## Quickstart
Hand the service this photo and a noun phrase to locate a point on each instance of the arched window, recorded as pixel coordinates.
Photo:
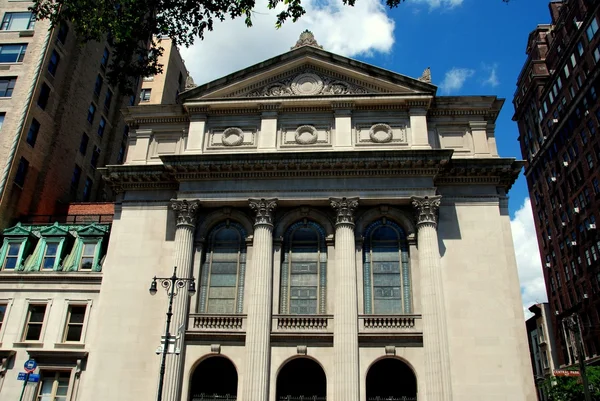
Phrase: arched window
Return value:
(223, 270)
(386, 269)
(303, 270)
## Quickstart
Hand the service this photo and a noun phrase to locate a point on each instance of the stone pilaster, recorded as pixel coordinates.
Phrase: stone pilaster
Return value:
(345, 323)
(435, 332)
(185, 212)
(258, 328)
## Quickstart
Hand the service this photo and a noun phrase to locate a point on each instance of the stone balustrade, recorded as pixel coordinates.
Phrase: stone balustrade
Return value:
(214, 322)
(302, 323)
(396, 323)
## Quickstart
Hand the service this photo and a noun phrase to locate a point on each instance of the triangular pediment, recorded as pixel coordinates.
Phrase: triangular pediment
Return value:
(55, 230)
(93, 230)
(308, 71)
(17, 231)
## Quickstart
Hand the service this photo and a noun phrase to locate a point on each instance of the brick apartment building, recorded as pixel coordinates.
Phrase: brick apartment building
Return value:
(558, 114)
(60, 120)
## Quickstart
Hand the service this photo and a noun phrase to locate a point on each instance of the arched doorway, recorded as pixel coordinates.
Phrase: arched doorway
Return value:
(301, 379)
(390, 379)
(215, 379)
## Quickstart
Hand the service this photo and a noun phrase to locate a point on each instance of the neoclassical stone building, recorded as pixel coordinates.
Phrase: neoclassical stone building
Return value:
(348, 231)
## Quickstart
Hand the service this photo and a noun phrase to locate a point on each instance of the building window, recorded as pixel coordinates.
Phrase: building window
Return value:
(54, 386)
(2, 115)
(304, 270)
(590, 161)
(50, 258)
(98, 85)
(21, 172)
(566, 70)
(105, 57)
(88, 256)
(76, 177)
(592, 29)
(32, 134)
(34, 322)
(22, 21)
(132, 100)
(223, 271)
(145, 95)
(7, 85)
(44, 96)
(108, 100)
(580, 48)
(74, 325)
(101, 126)
(95, 157)
(3, 308)
(53, 64)
(13, 255)
(12, 53)
(387, 287)
(91, 113)
(63, 31)
(84, 143)
(87, 189)
(121, 155)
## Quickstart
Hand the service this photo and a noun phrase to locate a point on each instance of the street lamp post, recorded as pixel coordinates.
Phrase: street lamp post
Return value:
(573, 325)
(172, 285)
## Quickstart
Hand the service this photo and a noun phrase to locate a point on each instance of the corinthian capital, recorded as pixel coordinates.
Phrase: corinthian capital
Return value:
(264, 209)
(345, 208)
(185, 211)
(426, 209)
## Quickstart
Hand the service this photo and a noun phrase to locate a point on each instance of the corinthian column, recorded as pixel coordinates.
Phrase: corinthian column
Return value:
(258, 328)
(345, 322)
(435, 332)
(185, 212)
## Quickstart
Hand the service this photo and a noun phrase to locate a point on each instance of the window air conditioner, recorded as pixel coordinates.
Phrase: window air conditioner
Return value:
(556, 313)
(566, 164)
(549, 237)
(573, 243)
(555, 121)
(548, 264)
(553, 179)
(576, 210)
(585, 296)
(562, 223)
(591, 226)
(587, 113)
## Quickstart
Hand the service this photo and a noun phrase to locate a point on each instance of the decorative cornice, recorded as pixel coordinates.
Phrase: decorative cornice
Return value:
(426, 209)
(345, 208)
(186, 211)
(264, 209)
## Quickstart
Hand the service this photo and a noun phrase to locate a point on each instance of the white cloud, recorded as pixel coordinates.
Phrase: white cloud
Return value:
(440, 3)
(492, 79)
(533, 288)
(455, 79)
(349, 31)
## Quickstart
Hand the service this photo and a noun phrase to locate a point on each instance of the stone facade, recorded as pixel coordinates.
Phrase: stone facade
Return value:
(347, 230)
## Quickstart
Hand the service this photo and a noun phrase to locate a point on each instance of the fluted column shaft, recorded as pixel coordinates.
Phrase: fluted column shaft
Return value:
(184, 247)
(435, 332)
(345, 322)
(258, 328)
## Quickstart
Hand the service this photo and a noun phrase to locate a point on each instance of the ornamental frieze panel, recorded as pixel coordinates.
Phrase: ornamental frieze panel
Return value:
(232, 137)
(309, 82)
(305, 135)
(381, 133)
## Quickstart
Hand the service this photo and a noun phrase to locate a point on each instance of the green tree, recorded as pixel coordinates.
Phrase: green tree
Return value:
(131, 25)
(571, 389)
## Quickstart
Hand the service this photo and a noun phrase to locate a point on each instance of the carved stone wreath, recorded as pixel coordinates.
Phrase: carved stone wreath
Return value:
(381, 133)
(306, 135)
(307, 84)
(232, 136)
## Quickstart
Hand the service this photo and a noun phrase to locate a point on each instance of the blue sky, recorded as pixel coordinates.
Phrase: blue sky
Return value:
(474, 47)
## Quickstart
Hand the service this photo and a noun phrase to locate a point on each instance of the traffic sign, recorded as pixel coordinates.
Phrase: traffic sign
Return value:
(30, 365)
(22, 376)
(33, 378)
(567, 373)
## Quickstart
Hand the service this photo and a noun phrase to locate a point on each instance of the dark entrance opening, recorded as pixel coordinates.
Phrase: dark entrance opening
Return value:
(391, 380)
(301, 379)
(215, 379)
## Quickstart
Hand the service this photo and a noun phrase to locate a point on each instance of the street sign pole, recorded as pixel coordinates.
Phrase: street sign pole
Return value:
(24, 384)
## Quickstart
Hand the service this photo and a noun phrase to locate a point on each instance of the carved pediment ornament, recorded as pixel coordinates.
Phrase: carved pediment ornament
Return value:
(308, 83)
(232, 136)
(186, 211)
(426, 209)
(345, 208)
(306, 135)
(381, 133)
(264, 209)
